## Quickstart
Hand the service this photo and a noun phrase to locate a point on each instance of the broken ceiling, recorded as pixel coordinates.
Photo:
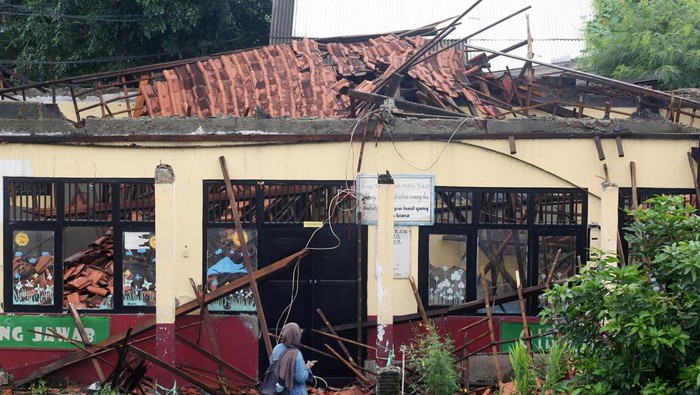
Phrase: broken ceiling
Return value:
(401, 74)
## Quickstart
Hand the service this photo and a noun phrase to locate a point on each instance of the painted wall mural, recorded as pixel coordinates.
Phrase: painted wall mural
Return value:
(225, 264)
(32, 268)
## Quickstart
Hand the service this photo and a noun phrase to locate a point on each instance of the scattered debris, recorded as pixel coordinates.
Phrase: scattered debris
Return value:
(89, 275)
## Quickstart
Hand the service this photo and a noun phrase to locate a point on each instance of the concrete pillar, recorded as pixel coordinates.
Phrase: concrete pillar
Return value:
(609, 202)
(166, 271)
(385, 271)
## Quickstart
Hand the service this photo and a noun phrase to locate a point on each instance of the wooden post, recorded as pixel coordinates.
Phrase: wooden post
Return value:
(511, 144)
(102, 99)
(526, 328)
(331, 330)
(206, 323)
(246, 255)
(494, 347)
(465, 364)
(620, 149)
(419, 303)
(126, 97)
(599, 147)
(581, 104)
(633, 175)
(84, 337)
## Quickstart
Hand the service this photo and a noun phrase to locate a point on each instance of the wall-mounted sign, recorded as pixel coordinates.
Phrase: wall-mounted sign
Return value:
(413, 198)
(34, 331)
(402, 251)
(514, 330)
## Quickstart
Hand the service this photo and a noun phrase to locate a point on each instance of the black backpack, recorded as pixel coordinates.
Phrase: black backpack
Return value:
(272, 379)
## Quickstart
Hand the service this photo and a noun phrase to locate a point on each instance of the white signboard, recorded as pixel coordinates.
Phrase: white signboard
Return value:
(413, 198)
(402, 251)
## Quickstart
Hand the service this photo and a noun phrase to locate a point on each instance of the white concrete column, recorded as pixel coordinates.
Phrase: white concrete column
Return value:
(385, 268)
(609, 203)
(166, 269)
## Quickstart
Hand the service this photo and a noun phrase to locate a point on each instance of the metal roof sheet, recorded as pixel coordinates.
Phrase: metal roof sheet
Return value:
(556, 25)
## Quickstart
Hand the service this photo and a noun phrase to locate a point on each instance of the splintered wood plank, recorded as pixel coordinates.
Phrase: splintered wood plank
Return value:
(84, 338)
(180, 311)
(246, 257)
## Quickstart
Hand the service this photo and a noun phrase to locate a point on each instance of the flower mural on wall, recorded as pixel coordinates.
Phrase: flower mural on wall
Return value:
(32, 268)
(447, 286)
(139, 265)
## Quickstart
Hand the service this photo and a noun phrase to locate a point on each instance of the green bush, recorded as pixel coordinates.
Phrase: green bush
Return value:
(431, 355)
(547, 377)
(635, 329)
(524, 373)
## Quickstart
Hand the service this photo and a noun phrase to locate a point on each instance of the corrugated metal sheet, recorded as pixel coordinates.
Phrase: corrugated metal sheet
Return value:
(556, 25)
(281, 21)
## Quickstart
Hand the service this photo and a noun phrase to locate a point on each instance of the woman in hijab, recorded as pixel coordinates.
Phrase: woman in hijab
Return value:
(293, 370)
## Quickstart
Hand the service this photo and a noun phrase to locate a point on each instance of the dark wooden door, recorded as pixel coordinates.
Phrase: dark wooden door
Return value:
(325, 279)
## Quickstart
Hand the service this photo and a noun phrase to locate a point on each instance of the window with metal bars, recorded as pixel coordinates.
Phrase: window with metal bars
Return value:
(260, 204)
(280, 203)
(88, 242)
(500, 231)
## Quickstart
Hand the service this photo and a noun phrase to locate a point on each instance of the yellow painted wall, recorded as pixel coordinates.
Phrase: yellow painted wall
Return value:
(475, 163)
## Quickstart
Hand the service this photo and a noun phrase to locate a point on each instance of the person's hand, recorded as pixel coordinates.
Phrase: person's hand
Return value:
(310, 364)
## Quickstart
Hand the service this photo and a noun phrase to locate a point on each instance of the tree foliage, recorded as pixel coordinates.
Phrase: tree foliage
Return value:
(643, 38)
(636, 329)
(58, 38)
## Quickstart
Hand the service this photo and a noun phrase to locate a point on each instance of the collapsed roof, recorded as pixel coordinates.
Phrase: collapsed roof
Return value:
(388, 75)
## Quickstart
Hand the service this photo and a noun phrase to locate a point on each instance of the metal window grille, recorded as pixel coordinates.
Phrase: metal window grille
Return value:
(219, 208)
(31, 201)
(499, 208)
(87, 201)
(299, 203)
(281, 203)
(137, 202)
(558, 208)
(453, 207)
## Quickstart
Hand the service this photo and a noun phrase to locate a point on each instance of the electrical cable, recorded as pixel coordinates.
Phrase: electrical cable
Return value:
(126, 18)
(393, 143)
(109, 59)
(364, 117)
(332, 207)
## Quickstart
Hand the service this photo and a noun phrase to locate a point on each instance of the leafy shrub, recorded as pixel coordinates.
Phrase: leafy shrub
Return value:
(432, 357)
(38, 387)
(547, 378)
(524, 373)
(635, 329)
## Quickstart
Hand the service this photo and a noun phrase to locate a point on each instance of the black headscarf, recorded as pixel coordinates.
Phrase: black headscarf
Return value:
(291, 337)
